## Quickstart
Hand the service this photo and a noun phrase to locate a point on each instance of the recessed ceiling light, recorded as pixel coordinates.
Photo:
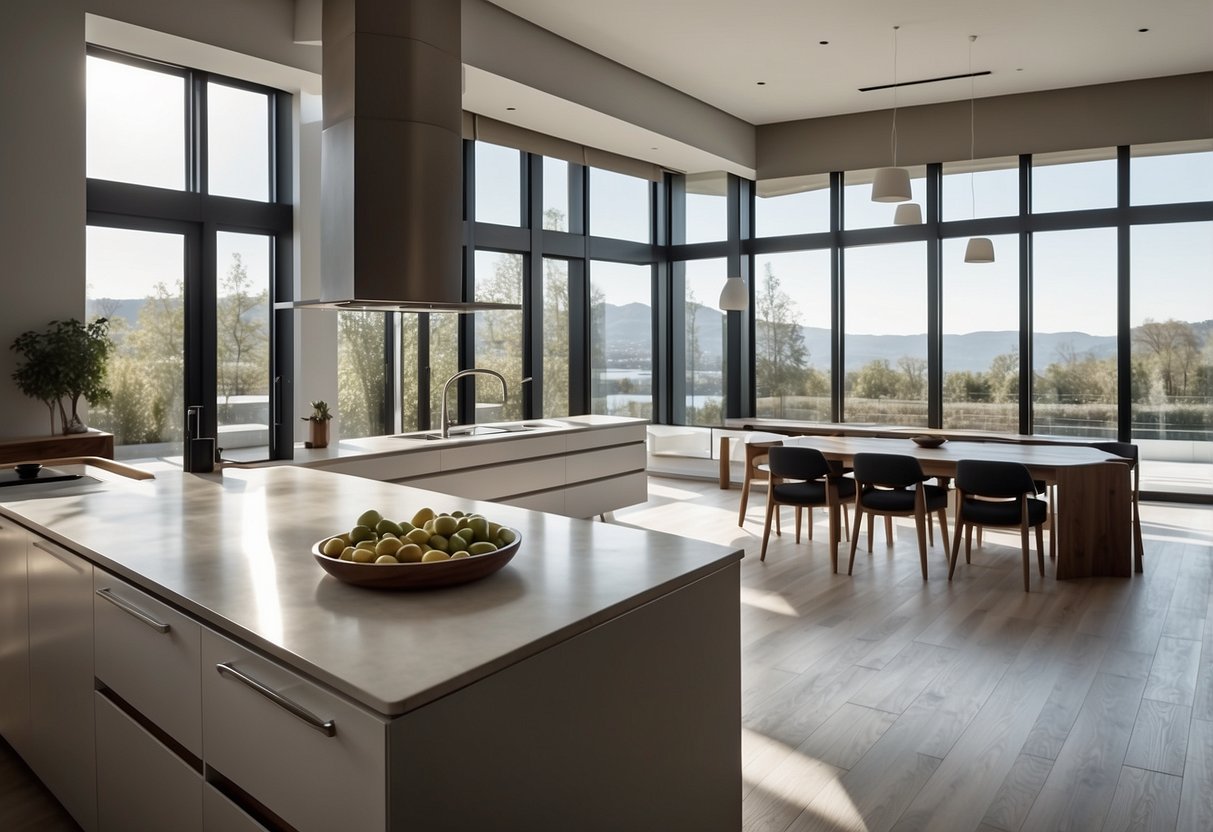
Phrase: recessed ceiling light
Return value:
(511, 108)
(762, 83)
(1143, 30)
(823, 42)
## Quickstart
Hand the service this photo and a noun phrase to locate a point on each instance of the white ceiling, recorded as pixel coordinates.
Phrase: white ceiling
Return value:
(717, 50)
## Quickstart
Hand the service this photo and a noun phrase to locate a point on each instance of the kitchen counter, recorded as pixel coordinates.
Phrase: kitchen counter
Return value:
(233, 548)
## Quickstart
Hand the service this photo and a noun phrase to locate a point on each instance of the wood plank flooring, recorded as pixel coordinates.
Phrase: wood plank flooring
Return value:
(882, 702)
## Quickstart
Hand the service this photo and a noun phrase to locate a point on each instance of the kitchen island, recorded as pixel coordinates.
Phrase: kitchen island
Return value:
(593, 683)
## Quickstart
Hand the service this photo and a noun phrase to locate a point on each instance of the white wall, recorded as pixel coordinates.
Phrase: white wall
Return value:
(41, 184)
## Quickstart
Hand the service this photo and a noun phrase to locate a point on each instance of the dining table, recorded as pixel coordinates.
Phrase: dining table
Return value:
(1092, 520)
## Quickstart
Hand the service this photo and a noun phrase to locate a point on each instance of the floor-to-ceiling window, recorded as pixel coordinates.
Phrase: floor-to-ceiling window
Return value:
(792, 335)
(187, 214)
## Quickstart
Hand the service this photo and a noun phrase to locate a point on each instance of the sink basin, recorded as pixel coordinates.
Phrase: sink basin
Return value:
(462, 431)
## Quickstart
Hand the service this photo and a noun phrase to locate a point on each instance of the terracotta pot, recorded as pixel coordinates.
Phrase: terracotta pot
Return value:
(320, 432)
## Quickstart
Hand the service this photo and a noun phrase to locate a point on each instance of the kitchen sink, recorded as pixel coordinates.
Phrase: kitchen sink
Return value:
(462, 431)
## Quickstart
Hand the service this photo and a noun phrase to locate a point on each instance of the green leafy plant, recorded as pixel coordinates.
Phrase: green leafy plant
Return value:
(66, 361)
(320, 412)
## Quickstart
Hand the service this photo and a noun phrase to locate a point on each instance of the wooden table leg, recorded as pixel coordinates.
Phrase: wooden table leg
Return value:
(1094, 533)
(724, 462)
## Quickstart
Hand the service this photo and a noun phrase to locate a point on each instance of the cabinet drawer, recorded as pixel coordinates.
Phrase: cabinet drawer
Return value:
(606, 462)
(222, 815)
(142, 786)
(149, 654)
(260, 730)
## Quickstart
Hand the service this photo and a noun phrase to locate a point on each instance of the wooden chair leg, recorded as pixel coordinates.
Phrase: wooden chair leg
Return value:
(745, 499)
(809, 510)
(969, 542)
(766, 526)
(846, 522)
(797, 512)
(888, 530)
(1040, 548)
(979, 529)
(943, 531)
(930, 530)
(1023, 544)
(955, 546)
(920, 526)
(855, 537)
(871, 522)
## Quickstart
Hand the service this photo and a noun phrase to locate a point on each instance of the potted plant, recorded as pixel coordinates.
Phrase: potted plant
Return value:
(319, 424)
(66, 361)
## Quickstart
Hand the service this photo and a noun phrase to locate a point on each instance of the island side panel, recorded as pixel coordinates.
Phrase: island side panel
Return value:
(635, 724)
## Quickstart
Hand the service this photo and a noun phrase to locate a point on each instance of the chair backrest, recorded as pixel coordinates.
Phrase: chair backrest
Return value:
(1125, 450)
(889, 470)
(986, 478)
(755, 452)
(796, 463)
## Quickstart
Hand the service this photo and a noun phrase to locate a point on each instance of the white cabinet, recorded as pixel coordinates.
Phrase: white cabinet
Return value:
(14, 636)
(309, 756)
(142, 786)
(62, 749)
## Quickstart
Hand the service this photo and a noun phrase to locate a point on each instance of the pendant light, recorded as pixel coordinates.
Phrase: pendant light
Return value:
(734, 297)
(979, 249)
(908, 213)
(892, 184)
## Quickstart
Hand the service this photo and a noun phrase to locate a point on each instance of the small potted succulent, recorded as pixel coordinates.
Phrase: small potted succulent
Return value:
(319, 424)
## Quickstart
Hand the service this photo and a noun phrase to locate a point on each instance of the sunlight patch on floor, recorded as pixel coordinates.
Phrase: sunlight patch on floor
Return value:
(800, 780)
(669, 492)
(769, 601)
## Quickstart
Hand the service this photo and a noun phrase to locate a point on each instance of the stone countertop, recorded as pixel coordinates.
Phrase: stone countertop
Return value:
(373, 446)
(233, 549)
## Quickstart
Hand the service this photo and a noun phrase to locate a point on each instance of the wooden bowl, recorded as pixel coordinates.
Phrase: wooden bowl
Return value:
(416, 575)
(928, 441)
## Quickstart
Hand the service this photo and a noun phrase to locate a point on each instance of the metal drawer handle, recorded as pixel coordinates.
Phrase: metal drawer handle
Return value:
(129, 608)
(325, 726)
(63, 557)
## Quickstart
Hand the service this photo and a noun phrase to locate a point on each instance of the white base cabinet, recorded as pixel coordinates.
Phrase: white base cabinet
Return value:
(61, 749)
(14, 636)
(142, 786)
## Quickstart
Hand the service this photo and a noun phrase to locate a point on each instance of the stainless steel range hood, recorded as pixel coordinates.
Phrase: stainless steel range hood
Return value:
(391, 159)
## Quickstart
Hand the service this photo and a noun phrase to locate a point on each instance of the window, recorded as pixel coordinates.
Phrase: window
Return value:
(238, 137)
(361, 374)
(859, 211)
(1172, 344)
(556, 337)
(620, 206)
(136, 279)
(984, 188)
(147, 253)
(707, 207)
(703, 341)
(556, 195)
(792, 335)
(1074, 181)
(1074, 333)
(443, 363)
(799, 206)
(1172, 172)
(499, 344)
(136, 123)
(498, 184)
(886, 334)
(981, 338)
(621, 339)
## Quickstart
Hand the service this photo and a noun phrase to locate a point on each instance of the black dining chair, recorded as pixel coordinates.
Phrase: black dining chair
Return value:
(893, 485)
(998, 494)
(1127, 450)
(817, 482)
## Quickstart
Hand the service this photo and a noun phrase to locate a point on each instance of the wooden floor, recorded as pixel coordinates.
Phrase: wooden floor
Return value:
(883, 702)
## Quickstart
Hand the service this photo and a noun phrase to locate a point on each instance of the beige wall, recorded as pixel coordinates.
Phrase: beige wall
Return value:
(1133, 112)
(41, 184)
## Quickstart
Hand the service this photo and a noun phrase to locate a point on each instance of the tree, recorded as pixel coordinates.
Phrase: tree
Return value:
(242, 329)
(781, 358)
(360, 373)
(1173, 350)
(875, 380)
(912, 384)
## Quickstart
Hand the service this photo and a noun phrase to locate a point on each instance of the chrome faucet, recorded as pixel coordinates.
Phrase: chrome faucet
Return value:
(446, 422)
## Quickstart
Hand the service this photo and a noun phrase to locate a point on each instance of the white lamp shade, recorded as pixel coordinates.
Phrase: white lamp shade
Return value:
(891, 185)
(734, 297)
(979, 250)
(908, 213)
